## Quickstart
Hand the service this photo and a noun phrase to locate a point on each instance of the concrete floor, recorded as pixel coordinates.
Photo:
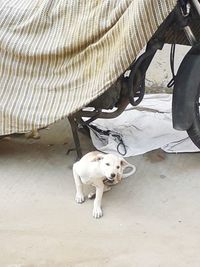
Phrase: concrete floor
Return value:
(150, 219)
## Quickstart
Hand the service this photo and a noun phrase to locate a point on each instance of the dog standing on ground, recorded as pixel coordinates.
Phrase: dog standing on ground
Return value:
(93, 169)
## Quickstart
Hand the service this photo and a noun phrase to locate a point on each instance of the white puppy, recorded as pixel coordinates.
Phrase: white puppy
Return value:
(93, 169)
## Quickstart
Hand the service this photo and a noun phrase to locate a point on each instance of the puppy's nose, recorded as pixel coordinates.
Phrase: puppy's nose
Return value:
(112, 175)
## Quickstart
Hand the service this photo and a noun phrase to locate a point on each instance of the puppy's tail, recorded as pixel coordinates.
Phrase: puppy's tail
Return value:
(126, 175)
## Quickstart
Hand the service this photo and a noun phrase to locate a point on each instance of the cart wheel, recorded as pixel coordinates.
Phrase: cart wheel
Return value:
(194, 131)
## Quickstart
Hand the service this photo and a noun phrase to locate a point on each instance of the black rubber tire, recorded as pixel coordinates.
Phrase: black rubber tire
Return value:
(194, 131)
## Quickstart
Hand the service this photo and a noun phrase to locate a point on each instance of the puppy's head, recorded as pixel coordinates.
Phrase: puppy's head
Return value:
(112, 166)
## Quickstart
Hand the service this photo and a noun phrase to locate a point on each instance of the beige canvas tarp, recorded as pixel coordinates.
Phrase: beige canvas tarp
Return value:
(56, 56)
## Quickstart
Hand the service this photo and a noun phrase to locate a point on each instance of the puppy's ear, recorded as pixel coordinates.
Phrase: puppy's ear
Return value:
(98, 157)
(124, 163)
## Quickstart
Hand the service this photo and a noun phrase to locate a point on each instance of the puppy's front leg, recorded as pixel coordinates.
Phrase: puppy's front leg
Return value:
(97, 211)
(79, 187)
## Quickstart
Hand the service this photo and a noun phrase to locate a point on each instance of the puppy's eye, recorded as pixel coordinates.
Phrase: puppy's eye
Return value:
(118, 167)
(108, 164)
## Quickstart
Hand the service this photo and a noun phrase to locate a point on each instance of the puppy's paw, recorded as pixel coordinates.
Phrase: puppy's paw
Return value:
(79, 198)
(91, 195)
(97, 213)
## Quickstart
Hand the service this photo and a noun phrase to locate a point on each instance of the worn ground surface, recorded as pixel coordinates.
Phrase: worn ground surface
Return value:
(150, 220)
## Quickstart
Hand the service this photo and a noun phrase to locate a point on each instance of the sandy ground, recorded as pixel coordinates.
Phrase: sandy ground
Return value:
(150, 220)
